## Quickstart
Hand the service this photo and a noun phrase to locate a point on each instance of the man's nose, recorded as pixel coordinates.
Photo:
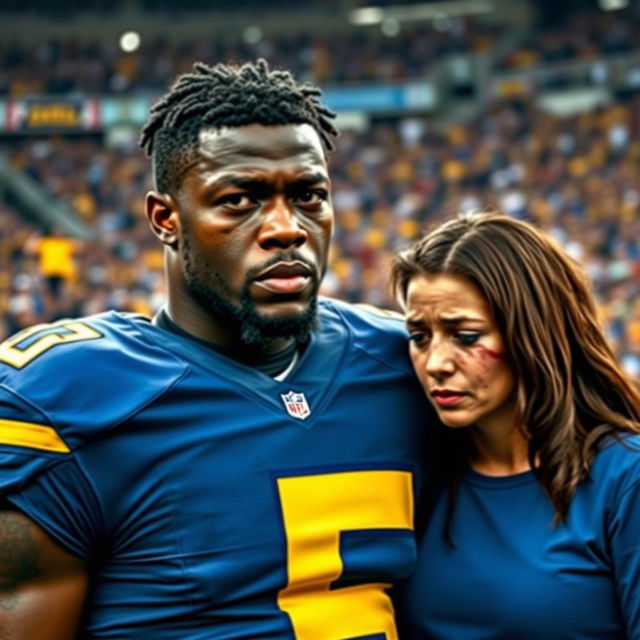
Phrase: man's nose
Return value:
(281, 225)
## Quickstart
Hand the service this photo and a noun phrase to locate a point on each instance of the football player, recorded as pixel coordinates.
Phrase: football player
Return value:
(244, 465)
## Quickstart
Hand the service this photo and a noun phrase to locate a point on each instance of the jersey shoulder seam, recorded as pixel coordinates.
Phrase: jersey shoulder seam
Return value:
(336, 307)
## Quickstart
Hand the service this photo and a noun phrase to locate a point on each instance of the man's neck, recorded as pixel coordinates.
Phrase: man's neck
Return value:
(272, 362)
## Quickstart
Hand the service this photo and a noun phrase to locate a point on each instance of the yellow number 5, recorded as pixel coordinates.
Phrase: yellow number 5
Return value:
(316, 509)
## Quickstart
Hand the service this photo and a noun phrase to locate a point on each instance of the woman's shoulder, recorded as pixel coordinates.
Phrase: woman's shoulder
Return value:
(623, 445)
(618, 460)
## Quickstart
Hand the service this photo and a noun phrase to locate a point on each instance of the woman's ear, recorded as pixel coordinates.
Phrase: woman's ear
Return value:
(163, 217)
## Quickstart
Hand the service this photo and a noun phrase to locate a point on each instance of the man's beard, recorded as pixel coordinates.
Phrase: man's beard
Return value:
(211, 291)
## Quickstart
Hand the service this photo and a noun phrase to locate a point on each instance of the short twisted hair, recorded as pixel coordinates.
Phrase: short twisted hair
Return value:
(226, 96)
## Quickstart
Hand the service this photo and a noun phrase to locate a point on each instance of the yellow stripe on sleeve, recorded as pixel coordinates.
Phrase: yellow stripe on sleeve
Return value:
(31, 435)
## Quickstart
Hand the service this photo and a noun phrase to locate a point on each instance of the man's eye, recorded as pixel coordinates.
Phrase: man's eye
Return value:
(467, 338)
(236, 200)
(310, 196)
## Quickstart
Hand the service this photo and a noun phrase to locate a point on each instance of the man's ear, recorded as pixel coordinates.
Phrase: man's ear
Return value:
(162, 213)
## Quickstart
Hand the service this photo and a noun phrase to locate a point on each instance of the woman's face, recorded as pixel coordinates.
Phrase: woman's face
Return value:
(458, 353)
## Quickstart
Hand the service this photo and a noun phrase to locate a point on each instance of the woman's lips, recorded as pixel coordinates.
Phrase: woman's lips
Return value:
(447, 398)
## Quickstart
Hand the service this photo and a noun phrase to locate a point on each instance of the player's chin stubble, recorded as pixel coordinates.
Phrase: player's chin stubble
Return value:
(211, 291)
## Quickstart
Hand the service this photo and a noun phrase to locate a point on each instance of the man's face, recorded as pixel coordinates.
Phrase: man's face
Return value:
(255, 221)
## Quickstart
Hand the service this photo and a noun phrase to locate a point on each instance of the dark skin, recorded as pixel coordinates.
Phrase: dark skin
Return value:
(256, 194)
(42, 586)
(256, 199)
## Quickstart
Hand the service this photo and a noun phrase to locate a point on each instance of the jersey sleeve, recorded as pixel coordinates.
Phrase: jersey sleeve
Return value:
(624, 538)
(64, 388)
(39, 475)
(29, 444)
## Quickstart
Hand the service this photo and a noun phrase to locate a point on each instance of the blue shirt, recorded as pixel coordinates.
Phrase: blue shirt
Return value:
(512, 575)
(211, 501)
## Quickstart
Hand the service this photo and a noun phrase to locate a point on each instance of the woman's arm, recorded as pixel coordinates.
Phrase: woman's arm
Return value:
(624, 538)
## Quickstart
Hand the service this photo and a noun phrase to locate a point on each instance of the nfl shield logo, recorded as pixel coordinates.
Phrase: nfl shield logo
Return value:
(296, 405)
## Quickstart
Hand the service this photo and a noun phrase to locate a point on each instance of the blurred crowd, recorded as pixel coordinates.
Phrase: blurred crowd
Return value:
(586, 37)
(399, 52)
(578, 177)
(63, 66)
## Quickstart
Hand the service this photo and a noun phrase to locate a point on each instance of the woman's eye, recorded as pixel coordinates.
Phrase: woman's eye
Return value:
(467, 338)
(418, 338)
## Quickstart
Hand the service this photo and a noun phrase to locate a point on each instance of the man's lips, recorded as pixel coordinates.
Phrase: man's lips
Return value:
(284, 277)
(447, 397)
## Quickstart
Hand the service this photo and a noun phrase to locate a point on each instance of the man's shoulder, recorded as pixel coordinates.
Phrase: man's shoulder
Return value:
(76, 345)
(379, 333)
(365, 317)
(95, 370)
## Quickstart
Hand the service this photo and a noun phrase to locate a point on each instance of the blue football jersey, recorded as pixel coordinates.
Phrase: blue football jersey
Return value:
(211, 501)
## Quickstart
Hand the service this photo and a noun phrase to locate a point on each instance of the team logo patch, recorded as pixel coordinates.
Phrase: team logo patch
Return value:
(296, 405)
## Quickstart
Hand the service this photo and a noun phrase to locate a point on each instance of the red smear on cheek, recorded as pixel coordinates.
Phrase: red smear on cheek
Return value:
(476, 362)
(472, 361)
(476, 352)
(485, 352)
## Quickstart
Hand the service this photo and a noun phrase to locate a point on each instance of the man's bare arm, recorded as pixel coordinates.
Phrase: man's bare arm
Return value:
(42, 586)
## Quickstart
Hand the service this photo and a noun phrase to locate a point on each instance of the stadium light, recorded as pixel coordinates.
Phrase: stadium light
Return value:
(130, 41)
(613, 5)
(367, 15)
(252, 34)
(410, 12)
(390, 27)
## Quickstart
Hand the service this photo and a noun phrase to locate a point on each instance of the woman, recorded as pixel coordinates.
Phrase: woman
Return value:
(536, 531)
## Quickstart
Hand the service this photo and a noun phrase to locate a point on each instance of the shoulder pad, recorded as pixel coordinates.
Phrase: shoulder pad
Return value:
(88, 374)
(366, 315)
(381, 333)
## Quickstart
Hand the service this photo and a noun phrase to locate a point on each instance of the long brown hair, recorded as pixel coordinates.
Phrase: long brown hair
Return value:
(571, 392)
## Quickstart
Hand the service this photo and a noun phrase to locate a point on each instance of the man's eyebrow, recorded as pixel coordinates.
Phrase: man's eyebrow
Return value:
(242, 182)
(308, 179)
(252, 183)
